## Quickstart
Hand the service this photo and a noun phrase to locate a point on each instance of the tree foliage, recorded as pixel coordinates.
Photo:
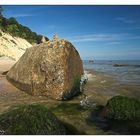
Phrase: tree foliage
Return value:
(15, 29)
(1, 10)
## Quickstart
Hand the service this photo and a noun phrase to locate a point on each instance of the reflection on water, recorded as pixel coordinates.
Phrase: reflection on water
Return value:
(125, 71)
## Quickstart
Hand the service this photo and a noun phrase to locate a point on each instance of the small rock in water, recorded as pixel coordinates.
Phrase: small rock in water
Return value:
(84, 79)
(103, 81)
(87, 103)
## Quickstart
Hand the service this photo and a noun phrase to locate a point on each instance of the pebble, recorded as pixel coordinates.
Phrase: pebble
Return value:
(103, 81)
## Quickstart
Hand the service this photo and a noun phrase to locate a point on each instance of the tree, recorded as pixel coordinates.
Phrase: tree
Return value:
(13, 29)
(12, 26)
(4, 23)
(1, 10)
(12, 20)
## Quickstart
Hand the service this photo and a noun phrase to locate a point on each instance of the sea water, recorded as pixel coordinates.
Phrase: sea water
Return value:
(126, 71)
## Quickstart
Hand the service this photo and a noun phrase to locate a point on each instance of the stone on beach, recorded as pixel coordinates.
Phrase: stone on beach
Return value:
(52, 69)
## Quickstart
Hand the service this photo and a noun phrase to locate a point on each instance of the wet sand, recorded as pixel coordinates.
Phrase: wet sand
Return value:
(5, 65)
(99, 88)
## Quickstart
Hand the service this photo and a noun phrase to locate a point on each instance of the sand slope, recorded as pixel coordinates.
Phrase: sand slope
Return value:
(12, 47)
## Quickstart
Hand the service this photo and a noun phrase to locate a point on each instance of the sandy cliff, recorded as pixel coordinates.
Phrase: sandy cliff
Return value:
(12, 47)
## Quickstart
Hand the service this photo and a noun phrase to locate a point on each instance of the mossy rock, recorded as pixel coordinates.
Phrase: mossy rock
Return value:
(123, 108)
(134, 127)
(31, 120)
(75, 89)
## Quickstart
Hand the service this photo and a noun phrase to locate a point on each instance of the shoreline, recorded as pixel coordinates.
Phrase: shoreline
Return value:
(98, 89)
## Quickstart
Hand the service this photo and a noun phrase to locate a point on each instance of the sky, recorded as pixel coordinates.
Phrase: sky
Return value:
(97, 32)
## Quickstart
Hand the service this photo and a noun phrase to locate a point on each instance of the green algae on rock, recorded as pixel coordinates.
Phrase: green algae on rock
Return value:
(31, 120)
(123, 108)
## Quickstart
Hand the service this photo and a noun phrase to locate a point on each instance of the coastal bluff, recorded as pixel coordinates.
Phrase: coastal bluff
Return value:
(12, 47)
(53, 69)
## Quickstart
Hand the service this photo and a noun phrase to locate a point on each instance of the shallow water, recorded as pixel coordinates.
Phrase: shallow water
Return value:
(127, 72)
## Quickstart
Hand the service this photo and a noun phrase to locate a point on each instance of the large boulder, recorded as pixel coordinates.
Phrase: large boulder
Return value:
(53, 69)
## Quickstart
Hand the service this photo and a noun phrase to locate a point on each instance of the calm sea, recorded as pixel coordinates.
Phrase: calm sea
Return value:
(125, 71)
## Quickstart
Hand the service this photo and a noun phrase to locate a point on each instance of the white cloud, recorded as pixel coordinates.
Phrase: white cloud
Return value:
(100, 37)
(110, 38)
(20, 15)
(125, 20)
(114, 43)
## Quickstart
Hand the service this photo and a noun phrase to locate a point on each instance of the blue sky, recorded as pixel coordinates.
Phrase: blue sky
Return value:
(97, 32)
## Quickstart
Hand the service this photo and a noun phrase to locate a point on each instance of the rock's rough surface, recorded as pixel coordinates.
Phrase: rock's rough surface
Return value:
(52, 69)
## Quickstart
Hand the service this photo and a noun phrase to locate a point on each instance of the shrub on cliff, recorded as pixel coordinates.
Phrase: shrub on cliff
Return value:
(12, 27)
(1, 10)
(31, 120)
(123, 108)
